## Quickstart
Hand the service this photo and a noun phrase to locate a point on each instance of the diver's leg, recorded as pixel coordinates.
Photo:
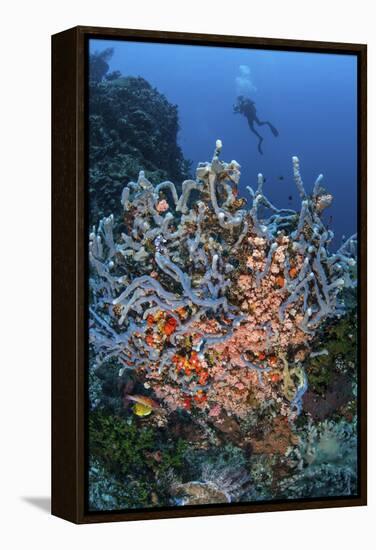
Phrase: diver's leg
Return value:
(272, 128)
(260, 138)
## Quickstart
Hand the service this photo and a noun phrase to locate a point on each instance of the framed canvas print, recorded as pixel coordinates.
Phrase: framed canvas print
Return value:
(209, 274)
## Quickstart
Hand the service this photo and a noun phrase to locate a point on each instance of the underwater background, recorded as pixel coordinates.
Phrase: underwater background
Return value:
(311, 98)
(222, 335)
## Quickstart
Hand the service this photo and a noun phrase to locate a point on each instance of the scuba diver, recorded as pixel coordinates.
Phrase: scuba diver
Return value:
(247, 108)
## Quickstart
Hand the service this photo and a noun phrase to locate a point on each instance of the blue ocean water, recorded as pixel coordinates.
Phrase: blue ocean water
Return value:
(311, 98)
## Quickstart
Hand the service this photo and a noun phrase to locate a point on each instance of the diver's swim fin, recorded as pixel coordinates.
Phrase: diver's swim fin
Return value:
(274, 131)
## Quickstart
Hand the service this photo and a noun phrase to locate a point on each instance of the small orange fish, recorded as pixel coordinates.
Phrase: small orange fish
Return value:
(280, 281)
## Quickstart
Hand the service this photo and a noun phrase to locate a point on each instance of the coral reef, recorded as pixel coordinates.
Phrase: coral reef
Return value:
(325, 461)
(132, 127)
(214, 487)
(207, 312)
(173, 299)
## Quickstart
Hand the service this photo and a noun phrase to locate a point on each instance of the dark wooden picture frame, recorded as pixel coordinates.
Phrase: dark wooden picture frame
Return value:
(69, 271)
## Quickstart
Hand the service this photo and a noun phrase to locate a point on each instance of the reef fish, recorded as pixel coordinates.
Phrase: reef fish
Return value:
(142, 410)
(144, 400)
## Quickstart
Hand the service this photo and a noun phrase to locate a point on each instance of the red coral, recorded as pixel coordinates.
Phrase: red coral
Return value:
(170, 326)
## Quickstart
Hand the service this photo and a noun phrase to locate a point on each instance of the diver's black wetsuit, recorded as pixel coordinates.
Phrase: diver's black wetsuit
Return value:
(247, 108)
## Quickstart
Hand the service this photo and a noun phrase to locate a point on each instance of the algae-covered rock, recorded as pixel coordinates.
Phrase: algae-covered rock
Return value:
(331, 367)
(197, 492)
(215, 486)
(132, 127)
(325, 461)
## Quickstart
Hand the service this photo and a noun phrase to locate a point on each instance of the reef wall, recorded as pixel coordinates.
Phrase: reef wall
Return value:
(132, 127)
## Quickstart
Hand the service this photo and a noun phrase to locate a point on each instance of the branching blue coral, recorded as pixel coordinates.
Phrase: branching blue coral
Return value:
(179, 260)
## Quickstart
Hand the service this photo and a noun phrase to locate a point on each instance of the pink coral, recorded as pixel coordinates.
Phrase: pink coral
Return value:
(162, 206)
(215, 411)
(232, 386)
(263, 329)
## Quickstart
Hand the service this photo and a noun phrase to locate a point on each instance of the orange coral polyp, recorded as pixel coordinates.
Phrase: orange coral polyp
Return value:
(187, 370)
(200, 397)
(170, 326)
(149, 339)
(181, 312)
(203, 377)
(187, 403)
